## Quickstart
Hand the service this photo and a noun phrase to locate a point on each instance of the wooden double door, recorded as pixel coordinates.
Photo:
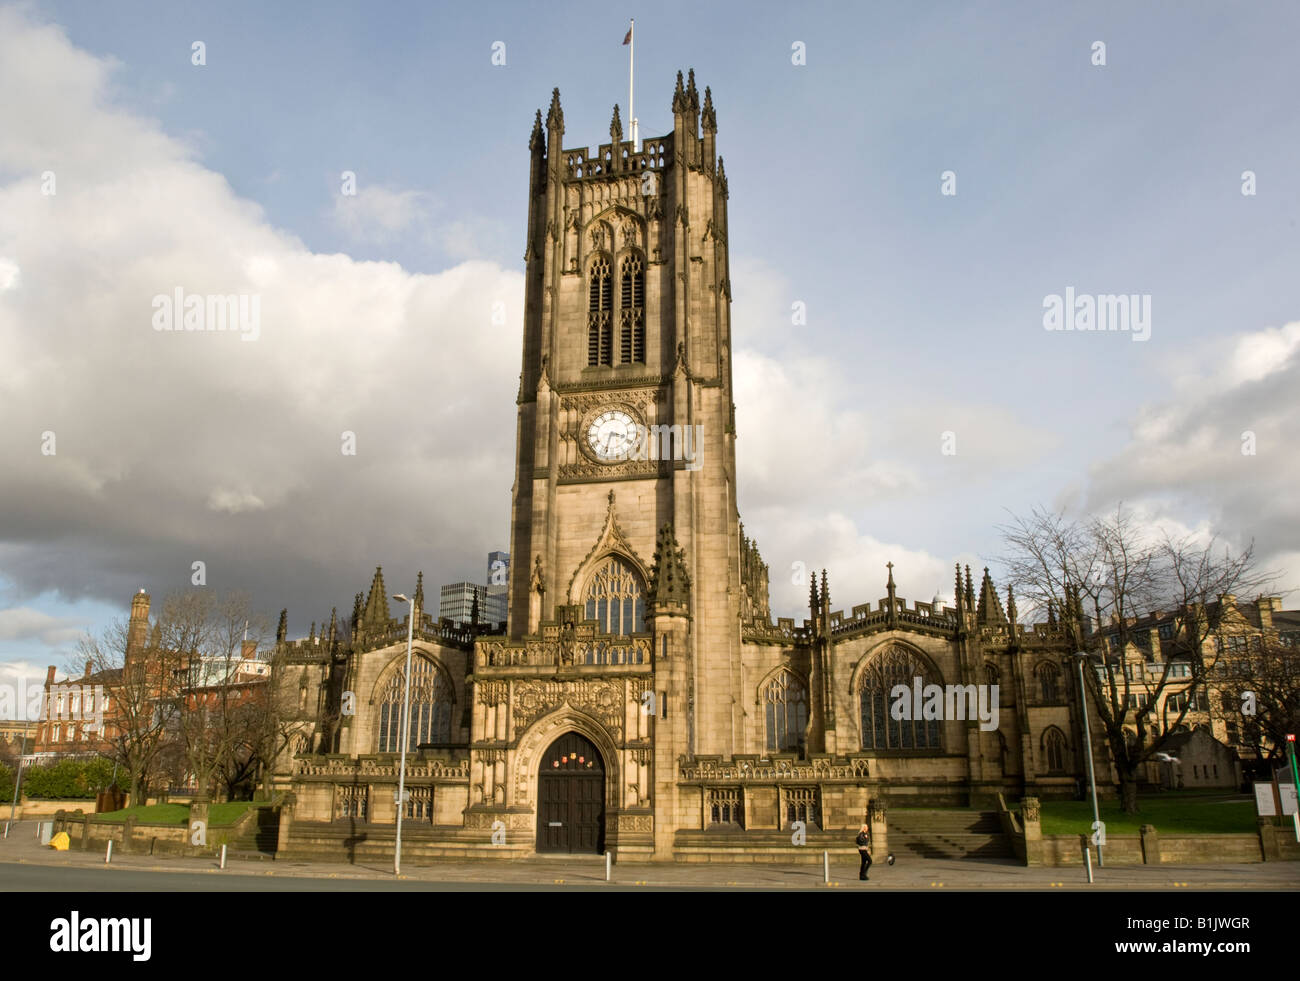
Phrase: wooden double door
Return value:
(571, 797)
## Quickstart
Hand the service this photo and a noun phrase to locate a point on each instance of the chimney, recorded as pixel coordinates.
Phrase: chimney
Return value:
(1264, 610)
(87, 674)
(249, 650)
(49, 676)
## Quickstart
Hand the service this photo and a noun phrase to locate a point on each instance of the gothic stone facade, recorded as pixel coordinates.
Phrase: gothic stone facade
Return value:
(641, 697)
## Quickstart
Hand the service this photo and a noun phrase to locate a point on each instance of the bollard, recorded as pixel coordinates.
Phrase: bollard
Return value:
(108, 852)
(607, 865)
(1087, 859)
(1295, 817)
(6, 829)
(826, 866)
(223, 856)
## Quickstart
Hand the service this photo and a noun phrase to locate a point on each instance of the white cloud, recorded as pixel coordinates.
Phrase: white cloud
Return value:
(21, 686)
(376, 212)
(25, 623)
(166, 438)
(817, 442)
(1184, 464)
(234, 502)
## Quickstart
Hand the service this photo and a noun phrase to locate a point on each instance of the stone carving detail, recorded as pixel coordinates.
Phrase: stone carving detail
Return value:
(631, 233)
(853, 768)
(1029, 809)
(600, 699)
(875, 810)
(567, 643)
(483, 820)
(623, 468)
(636, 822)
(491, 692)
(641, 399)
(352, 769)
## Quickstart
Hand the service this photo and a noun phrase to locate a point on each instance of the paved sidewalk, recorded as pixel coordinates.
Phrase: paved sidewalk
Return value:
(908, 874)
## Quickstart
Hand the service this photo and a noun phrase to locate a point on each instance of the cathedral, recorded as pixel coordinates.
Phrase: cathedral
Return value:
(641, 699)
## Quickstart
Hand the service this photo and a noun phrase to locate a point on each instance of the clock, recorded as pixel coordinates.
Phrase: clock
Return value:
(612, 435)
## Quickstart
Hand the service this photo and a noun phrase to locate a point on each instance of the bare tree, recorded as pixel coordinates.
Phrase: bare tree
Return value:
(1262, 685)
(211, 630)
(1099, 576)
(279, 719)
(141, 680)
(172, 697)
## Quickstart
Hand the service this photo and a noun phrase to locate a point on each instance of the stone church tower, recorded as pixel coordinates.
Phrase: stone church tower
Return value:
(624, 500)
(641, 700)
(627, 334)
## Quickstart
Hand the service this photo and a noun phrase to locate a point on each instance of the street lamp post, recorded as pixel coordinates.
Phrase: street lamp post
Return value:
(405, 729)
(18, 782)
(1087, 741)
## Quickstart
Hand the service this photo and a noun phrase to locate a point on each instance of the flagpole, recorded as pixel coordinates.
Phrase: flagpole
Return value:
(631, 106)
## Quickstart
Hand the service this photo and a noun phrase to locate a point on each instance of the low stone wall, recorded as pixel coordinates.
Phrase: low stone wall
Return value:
(1152, 848)
(1067, 850)
(28, 810)
(146, 838)
(1278, 842)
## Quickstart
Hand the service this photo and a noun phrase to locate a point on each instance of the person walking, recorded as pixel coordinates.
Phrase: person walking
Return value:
(864, 849)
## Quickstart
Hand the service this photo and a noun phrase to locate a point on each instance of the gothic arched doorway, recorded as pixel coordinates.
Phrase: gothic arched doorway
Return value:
(571, 797)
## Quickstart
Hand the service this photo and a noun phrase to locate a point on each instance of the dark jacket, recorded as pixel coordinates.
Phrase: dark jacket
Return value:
(864, 841)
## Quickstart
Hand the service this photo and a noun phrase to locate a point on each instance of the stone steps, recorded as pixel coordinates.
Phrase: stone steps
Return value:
(948, 834)
(955, 846)
(262, 838)
(940, 822)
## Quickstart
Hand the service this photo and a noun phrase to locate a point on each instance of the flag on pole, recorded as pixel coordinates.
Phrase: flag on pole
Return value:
(627, 38)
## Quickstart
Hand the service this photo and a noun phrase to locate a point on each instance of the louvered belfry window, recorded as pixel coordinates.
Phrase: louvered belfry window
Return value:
(600, 328)
(632, 310)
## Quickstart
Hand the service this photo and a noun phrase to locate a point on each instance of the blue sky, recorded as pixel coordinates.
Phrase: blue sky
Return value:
(924, 310)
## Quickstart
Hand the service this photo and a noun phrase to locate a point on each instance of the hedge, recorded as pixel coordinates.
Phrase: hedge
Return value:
(64, 780)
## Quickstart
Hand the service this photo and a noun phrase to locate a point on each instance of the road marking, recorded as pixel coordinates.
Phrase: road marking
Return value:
(933, 884)
(559, 882)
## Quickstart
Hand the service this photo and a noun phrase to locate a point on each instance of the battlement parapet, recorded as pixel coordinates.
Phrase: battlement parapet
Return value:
(747, 769)
(580, 164)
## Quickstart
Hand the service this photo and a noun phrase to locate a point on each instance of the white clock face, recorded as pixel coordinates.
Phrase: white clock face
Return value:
(612, 435)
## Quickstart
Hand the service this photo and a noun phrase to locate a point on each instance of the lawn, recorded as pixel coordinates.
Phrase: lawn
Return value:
(219, 815)
(1170, 815)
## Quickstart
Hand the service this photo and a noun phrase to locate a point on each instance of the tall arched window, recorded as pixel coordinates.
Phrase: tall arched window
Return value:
(615, 598)
(631, 272)
(600, 311)
(1054, 750)
(431, 705)
(1049, 682)
(880, 730)
(785, 699)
